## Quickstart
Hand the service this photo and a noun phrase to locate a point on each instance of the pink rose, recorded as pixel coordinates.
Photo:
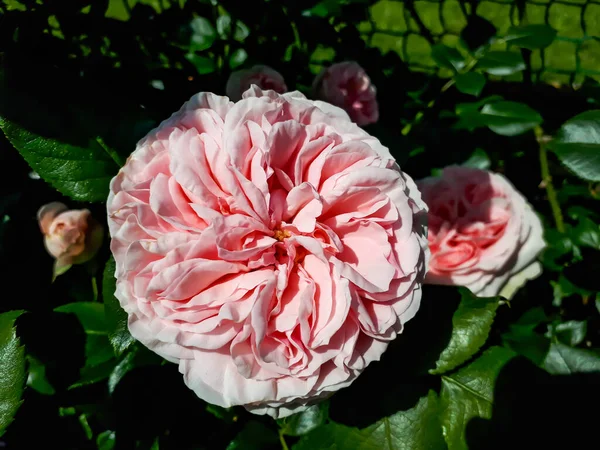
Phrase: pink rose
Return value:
(262, 76)
(482, 232)
(70, 236)
(270, 247)
(348, 86)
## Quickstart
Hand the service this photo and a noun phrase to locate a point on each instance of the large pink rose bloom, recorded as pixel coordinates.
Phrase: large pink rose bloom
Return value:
(269, 247)
(482, 232)
(348, 86)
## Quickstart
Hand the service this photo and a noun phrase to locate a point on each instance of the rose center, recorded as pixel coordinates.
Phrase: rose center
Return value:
(280, 235)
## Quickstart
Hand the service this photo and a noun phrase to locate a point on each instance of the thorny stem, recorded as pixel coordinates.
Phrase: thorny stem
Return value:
(547, 181)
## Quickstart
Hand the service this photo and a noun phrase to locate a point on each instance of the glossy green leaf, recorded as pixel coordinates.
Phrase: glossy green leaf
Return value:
(36, 378)
(254, 436)
(471, 83)
(12, 369)
(418, 428)
(471, 324)
(469, 393)
(90, 314)
(531, 36)
(305, 421)
(82, 173)
(510, 118)
(522, 337)
(106, 440)
(577, 144)
(501, 63)
(565, 360)
(478, 160)
(571, 332)
(116, 317)
(447, 57)
(203, 34)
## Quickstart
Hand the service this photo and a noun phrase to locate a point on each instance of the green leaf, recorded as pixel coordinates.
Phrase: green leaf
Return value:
(571, 332)
(202, 64)
(305, 421)
(447, 57)
(565, 360)
(469, 393)
(510, 118)
(97, 349)
(471, 324)
(82, 173)
(471, 83)
(238, 58)
(587, 233)
(531, 36)
(94, 374)
(577, 144)
(478, 160)
(36, 378)
(522, 338)
(90, 314)
(501, 63)
(203, 34)
(418, 428)
(116, 317)
(106, 440)
(138, 357)
(12, 369)
(254, 436)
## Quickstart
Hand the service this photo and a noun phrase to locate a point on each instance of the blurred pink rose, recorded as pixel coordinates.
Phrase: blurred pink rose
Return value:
(262, 76)
(348, 86)
(70, 236)
(482, 232)
(270, 247)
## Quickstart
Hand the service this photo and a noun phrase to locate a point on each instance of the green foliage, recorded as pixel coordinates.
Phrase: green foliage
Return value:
(501, 63)
(531, 36)
(12, 369)
(305, 421)
(447, 57)
(469, 393)
(471, 83)
(418, 428)
(82, 173)
(471, 325)
(510, 118)
(116, 318)
(577, 144)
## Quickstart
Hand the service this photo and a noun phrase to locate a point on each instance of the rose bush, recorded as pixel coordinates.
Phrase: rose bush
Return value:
(260, 75)
(482, 232)
(270, 247)
(348, 86)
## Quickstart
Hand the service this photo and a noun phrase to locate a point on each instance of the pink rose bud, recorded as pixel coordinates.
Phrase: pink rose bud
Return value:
(348, 86)
(482, 232)
(270, 247)
(264, 77)
(70, 236)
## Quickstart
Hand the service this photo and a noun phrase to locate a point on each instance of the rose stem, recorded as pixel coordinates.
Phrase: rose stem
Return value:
(547, 181)
(282, 440)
